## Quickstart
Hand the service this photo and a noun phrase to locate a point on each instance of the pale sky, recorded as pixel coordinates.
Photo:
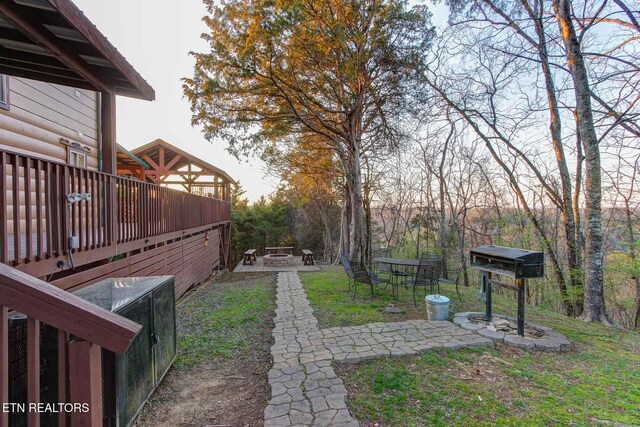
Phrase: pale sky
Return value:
(155, 37)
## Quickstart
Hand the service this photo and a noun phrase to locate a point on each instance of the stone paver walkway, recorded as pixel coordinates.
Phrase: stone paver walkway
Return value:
(305, 390)
(356, 343)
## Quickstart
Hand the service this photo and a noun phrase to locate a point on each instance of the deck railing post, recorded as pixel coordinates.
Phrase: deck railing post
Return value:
(114, 211)
(33, 369)
(4, 364)
(85, 383)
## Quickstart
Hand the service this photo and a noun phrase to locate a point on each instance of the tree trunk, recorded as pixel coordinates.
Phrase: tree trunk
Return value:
(343, 247)
(368, 226)
(442, 188)
(636, 316)
(358, 227)
(326, 234)
(462, 246)
(555, 128)
(594, 307)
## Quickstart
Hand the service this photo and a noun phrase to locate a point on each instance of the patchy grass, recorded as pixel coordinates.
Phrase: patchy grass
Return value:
(597, 383)
(219, 323)
(220, 374)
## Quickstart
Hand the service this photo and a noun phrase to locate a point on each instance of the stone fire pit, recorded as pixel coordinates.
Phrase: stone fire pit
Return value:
(278, 260)
(503, 330)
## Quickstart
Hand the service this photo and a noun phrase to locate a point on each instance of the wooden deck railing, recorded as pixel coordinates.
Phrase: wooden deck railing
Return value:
(82, 329)
(36, 219)
(146, 209)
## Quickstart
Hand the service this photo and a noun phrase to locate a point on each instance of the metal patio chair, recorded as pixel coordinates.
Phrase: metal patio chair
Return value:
(347, 269)
(427, 274)
(452, 277)
(358, 273)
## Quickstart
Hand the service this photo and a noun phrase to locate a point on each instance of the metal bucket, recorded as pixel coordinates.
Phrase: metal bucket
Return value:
(437, 307)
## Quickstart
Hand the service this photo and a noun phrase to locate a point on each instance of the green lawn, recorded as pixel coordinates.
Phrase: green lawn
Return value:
(220, 321)
(334, 306)
(597, 383)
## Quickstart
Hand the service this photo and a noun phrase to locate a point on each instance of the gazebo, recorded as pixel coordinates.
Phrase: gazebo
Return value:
(171, 166)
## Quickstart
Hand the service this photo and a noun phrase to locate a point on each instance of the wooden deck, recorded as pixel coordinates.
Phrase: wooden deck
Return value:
(258, 267)
(127, 227)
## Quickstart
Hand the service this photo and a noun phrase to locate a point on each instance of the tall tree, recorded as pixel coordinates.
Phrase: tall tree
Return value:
(311, 171)
(527, 22)
(521, 42)
(594, 255)
(341, 69)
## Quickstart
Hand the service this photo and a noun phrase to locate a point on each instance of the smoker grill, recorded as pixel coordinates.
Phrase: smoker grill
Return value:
(511, 262)
(518, 264)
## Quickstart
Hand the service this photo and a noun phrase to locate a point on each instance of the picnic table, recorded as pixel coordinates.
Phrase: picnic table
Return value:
(451, 276)
(307, 257)
(279, 250)
(406, 270)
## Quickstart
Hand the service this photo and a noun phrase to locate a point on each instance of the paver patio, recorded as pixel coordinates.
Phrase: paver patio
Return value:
(305, 389)
(259, 267)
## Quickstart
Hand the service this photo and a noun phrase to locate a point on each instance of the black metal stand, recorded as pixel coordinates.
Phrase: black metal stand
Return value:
(486, 276)
(521, 284)
(487, 284)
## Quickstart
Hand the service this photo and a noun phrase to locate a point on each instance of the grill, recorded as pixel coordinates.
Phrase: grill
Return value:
(517, 264)
(511, 262)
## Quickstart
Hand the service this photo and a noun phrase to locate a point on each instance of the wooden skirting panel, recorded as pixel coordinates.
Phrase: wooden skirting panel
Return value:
(191, 260)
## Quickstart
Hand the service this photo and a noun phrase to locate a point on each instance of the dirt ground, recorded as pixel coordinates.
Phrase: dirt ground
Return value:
(231, 393)
(222, 396)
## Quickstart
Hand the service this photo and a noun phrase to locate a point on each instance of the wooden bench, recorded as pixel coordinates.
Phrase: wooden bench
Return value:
(307, 257)
(279, 250)
(249, 257)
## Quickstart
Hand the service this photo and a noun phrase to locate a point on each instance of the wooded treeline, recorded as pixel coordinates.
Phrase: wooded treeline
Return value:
(285, 219)
(515, 124)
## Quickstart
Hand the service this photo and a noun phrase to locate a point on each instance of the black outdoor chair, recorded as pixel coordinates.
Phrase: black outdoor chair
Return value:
(427, 274)
(452, 277)
(358, 273)
(347, 269)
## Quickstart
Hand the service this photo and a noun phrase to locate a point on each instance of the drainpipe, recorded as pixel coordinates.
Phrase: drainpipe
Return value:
(100, 131)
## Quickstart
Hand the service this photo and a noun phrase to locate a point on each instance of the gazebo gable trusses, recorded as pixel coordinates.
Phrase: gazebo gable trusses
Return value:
(170, 165)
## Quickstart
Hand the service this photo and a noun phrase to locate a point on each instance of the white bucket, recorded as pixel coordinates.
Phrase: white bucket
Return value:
(437, 307)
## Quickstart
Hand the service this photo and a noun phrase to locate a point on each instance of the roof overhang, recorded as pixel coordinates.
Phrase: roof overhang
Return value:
(126, 157)
(53, 41)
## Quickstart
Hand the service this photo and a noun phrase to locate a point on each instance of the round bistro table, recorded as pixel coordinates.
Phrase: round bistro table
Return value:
(399, 262)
